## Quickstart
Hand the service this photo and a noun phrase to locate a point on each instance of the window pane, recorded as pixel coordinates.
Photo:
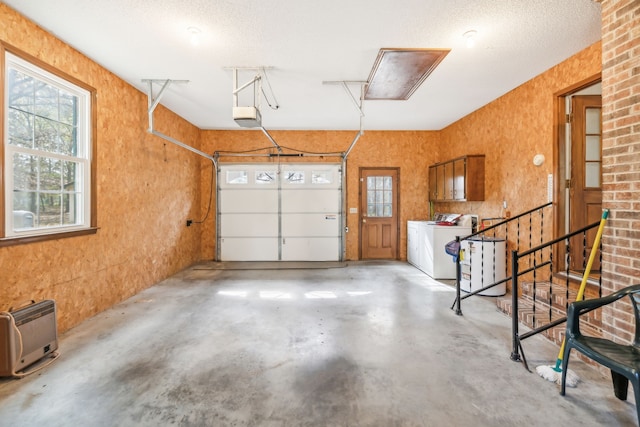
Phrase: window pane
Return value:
(387, 197)
(379, 211)
(236, 177)
(593, 148)
(50, 174)
(379, 182)
(45, 134)
(23, 219)
(70, 172)
(371, 196)
(371, 209)
(24, 201)
(68, 108)
(46, 103)
(321, 177)
(371, 182)
(48, 214)
(20, 128)
(265, 177)
(70, 213)
(593, 120)
(20, 91)
(25, 172)
(67, 140)
(387, 183)
(379, 198)
(388, 210)
(592, 174)
(294, 177)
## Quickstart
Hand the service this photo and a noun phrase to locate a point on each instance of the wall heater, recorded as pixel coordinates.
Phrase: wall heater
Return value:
(27, 335)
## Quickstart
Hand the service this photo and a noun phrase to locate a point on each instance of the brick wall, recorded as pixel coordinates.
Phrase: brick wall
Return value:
(621, 155)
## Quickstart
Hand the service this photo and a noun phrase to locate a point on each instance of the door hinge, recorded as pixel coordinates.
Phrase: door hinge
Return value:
(568, 183)
(569, 118)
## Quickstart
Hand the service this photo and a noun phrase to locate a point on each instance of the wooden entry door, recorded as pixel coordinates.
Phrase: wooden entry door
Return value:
(585, 195)
(379, 213)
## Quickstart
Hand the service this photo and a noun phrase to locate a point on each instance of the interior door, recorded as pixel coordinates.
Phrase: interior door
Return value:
(379, 209)
(585, 195)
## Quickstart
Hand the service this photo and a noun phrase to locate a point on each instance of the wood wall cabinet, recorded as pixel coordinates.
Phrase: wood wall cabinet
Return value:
(433, 189)
(459, 179)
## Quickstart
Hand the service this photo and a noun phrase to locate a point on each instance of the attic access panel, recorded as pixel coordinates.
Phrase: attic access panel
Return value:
(397, 73)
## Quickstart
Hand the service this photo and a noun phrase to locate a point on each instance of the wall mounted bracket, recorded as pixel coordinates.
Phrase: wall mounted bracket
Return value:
(358, 103)
(153, 103)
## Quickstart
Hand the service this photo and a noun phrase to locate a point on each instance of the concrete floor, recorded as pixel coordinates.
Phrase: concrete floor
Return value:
(368, 344)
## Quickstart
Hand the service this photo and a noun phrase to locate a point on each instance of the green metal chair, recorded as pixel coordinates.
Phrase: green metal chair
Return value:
(623, 360)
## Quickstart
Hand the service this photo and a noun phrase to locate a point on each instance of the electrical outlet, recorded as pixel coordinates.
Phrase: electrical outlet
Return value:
(189, 222)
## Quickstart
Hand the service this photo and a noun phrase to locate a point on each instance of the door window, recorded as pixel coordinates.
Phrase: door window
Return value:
(593, 152)
(379, 196)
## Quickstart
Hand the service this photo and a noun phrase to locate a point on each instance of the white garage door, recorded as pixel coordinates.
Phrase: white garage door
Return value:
(287, 212)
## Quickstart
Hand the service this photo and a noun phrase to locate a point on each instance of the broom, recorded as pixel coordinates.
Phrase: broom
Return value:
(554, 373)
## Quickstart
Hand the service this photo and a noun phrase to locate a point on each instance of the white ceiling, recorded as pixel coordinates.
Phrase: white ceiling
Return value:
(310, 42)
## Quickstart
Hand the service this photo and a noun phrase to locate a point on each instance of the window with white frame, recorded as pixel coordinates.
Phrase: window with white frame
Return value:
(47, 151)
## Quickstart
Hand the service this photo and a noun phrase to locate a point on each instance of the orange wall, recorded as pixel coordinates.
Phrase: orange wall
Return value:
(410, 151)
(510, 131)
(145, 191)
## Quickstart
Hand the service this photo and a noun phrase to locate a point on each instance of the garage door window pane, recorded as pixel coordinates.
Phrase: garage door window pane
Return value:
(321, 177)
(265, 177)
(237, 177)
(294, 177)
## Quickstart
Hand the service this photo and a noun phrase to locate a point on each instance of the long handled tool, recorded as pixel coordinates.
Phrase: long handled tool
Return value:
(554, 373)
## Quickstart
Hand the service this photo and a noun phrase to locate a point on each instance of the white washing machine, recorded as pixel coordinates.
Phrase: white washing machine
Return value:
(438, 264)
(483, 262)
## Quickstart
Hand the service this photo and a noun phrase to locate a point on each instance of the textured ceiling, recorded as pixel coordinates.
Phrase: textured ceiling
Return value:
(309, 42)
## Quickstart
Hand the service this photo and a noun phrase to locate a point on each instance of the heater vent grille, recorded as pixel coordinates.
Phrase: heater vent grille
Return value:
(27, 336)
(33, 312)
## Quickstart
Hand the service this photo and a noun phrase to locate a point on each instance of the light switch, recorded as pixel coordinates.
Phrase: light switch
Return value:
(353, 210)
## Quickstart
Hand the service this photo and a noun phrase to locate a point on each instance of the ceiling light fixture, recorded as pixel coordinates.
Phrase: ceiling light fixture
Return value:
(194, 35)
(470, 37)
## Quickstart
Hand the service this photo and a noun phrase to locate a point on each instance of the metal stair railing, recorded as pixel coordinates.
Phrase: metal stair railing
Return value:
(535, 256)
(503, 230)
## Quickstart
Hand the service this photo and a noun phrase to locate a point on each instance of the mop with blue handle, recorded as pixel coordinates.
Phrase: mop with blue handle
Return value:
(554, 373)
